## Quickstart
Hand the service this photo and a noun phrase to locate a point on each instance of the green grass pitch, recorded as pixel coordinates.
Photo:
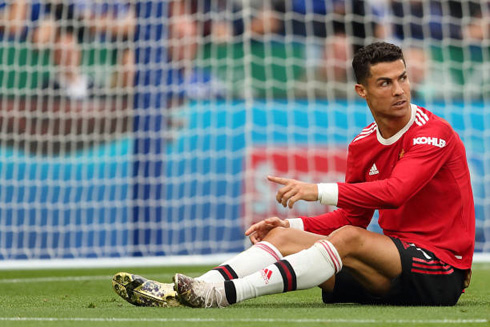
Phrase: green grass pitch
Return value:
(84, 297)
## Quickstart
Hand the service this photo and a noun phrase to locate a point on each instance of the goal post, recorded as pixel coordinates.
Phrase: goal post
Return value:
(146, 128)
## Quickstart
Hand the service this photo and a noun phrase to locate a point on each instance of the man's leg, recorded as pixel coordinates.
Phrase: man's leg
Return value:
(256, 257)
(142, 292)
(262, 254)
(372, 258)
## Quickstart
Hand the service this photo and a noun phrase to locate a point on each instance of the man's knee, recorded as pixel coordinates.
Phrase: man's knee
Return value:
(347, 233)
(289, 240)
(347, 238)
(279, 237)
(372, 256)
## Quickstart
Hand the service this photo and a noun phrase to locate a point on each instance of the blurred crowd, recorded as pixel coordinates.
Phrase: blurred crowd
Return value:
(63, 27)
(329, 30)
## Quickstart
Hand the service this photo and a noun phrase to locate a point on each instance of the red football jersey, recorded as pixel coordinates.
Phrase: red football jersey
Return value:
(419, 181)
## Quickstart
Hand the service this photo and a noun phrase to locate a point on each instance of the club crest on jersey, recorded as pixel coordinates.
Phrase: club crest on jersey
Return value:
(266, 275)
(401, 154)
(440, 143)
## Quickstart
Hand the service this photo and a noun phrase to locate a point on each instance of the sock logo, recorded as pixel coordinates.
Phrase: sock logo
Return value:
(266, 275)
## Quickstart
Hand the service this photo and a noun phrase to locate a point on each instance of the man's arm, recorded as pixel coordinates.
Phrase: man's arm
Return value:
(417, 168)
(328, 222)
(412, 173)
(324, 224)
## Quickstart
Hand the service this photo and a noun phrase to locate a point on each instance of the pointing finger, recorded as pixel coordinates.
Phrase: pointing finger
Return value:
(278, 180)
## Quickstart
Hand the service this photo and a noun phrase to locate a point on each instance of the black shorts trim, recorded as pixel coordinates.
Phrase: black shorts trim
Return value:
(425, 280)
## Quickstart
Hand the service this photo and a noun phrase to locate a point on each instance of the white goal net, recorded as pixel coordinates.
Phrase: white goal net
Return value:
(147, 128)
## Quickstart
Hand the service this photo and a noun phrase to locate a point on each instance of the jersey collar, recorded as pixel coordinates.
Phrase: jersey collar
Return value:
(399, 134)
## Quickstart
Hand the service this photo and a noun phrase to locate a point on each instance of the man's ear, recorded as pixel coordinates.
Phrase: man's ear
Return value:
(361, 90)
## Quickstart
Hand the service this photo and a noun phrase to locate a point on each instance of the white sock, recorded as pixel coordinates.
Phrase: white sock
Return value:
(249, 261)
(302, 270)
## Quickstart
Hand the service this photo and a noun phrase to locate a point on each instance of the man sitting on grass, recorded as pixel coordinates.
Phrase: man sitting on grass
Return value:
(409, 164)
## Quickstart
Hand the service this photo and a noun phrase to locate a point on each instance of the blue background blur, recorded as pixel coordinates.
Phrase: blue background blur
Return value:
(79, 205)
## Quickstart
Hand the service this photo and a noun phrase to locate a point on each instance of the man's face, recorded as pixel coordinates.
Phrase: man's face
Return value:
(387, 90)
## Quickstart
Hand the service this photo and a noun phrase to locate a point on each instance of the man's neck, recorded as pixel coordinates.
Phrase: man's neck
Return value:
(390, 126)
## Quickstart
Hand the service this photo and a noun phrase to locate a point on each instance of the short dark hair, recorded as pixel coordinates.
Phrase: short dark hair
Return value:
(373, 54)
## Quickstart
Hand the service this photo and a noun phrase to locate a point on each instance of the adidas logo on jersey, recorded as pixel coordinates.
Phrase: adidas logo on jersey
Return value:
(373, 170)
(430, 140)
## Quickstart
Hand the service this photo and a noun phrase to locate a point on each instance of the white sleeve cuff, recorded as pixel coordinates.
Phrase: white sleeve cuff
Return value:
(328, 193)
(296, 223)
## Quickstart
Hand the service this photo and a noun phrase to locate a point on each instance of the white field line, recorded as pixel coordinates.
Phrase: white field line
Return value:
(191, 260)
(252, 320)
(161, 277)
(163, 261)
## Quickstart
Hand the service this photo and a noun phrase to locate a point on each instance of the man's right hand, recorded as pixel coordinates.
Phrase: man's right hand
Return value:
(258, 231)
